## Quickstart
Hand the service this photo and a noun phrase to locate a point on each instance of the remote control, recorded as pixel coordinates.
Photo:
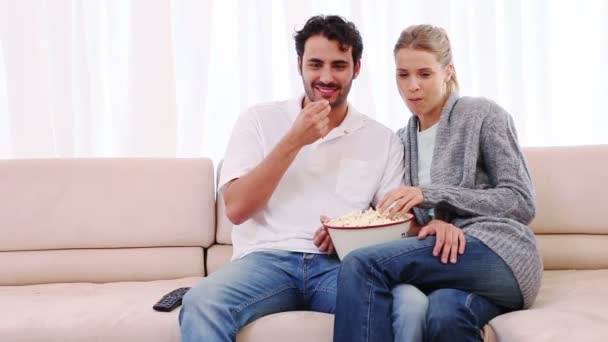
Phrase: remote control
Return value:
(171, 300)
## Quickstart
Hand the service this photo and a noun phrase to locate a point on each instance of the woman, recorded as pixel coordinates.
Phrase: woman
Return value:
(473, 257)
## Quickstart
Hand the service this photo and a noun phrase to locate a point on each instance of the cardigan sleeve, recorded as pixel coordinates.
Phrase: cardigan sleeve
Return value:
(509, 191)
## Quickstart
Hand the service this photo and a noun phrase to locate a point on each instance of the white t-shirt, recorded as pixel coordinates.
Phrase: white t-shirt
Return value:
(356, 164)
(426, 146)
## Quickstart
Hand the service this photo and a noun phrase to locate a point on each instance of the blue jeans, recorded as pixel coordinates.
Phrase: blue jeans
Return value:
(462, 297)
(259, 284)
(409, 313)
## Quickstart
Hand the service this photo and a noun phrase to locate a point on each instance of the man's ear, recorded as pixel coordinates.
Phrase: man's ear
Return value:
(356, 70)
(300, 65)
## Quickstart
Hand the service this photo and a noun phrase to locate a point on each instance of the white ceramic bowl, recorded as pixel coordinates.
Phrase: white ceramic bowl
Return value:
(346, 239)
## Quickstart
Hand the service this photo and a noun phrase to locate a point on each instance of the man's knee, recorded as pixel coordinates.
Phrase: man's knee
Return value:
(205, 312)
(195, 297)
(205, 299)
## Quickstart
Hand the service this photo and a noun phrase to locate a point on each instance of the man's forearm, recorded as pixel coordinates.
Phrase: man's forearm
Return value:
(246, 195)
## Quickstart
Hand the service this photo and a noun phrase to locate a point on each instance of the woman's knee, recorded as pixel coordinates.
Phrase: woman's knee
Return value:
(356, 261)
(448, 307)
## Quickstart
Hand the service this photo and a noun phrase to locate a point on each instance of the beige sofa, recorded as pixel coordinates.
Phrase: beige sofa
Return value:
(87, 246)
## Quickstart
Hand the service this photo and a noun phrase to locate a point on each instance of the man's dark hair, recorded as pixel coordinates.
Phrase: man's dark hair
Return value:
(332, 27)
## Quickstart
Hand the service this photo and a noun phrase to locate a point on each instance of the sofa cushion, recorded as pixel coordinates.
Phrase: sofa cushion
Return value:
(100, 265)
(570, 185)
(106, 203)
(292, 326)
(573, 251)
(89, 312)
(224, 226)
(571, 306)
(217, 256)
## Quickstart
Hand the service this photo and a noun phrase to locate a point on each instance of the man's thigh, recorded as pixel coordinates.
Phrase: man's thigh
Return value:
(256, 285)
(321, 281)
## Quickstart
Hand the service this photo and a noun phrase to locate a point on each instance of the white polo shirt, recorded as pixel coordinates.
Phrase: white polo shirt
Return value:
(354, 166)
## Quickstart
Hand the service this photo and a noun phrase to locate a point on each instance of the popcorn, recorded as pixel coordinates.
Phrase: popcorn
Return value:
(361, 219)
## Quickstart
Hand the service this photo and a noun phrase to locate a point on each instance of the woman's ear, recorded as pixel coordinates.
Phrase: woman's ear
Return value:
(449, 72)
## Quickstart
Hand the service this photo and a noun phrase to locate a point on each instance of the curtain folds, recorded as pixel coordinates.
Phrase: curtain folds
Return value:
(162, 78)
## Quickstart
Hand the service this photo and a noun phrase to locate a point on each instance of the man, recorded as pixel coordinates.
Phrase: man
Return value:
(287, 163)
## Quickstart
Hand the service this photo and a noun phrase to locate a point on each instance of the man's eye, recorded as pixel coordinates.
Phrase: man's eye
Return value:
(426, 74)
(340, 67)
(402, 75)
(314, 65)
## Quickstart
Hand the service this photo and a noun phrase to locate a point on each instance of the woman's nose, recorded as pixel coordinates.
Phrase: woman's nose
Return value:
(413, 84)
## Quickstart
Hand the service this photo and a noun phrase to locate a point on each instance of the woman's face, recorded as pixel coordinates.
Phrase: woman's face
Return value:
(422, 82)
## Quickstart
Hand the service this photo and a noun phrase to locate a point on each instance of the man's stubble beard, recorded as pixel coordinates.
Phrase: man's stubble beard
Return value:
(343, 92)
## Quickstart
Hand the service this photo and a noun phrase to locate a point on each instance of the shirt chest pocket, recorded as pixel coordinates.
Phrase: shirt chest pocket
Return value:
(356, 182)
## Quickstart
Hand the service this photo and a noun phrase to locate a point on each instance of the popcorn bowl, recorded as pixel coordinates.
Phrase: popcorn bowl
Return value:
(347, 239)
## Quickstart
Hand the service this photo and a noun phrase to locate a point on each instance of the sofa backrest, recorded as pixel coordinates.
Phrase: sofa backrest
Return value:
(224, 226)
(100, 220)
(572, 196)
(571, 189)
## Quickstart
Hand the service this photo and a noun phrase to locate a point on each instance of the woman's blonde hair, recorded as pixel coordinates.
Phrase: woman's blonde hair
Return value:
(430, 39)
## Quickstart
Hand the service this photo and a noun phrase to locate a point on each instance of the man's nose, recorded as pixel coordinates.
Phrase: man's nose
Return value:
(326, 76)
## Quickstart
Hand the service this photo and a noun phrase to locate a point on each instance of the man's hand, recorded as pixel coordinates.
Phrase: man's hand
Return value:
(311, 124)
(247, 194)
(450, 239)
(404, 199)
(322, 239)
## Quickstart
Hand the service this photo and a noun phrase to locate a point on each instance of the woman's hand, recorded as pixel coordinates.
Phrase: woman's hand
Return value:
(322, 239)
(404, 199)
(450, 239)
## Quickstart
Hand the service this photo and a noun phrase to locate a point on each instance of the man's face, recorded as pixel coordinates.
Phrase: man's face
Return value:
(327, 72)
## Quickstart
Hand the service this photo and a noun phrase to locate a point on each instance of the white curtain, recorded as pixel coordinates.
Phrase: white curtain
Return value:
(162, 78)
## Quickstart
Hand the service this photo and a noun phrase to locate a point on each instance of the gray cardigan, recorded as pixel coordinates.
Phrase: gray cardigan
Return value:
(480, 183)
